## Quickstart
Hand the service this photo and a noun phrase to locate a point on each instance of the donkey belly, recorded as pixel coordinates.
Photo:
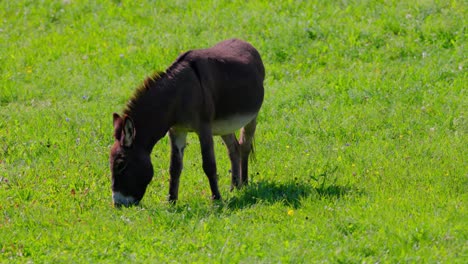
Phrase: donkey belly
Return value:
(230, 124)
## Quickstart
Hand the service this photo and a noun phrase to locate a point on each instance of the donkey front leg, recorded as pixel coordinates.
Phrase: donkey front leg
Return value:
(234, 155)
(178, 143)
(246, 146)
(209, 163)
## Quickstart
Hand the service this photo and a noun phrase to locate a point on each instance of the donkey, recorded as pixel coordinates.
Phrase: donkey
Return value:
(213, 91)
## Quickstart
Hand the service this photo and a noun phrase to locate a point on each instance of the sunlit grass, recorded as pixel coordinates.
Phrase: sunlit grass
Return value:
(360, 147)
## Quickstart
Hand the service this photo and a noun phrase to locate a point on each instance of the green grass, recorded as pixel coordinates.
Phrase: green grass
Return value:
(361, 146)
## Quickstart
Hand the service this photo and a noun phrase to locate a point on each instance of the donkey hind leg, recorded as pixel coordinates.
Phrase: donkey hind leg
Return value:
(208, 156)
(178, 143)
(233, 148)
(246, 146)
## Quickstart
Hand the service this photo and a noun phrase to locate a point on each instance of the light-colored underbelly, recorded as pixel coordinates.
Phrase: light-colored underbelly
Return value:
(222, 126)
(231, 124)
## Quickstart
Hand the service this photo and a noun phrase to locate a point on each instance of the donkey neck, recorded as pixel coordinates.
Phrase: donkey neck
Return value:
(151, 109)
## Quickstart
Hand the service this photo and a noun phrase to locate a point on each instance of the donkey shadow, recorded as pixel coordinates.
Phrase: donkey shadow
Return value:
(290, 193)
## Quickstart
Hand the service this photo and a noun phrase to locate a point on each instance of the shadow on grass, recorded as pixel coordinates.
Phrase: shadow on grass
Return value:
(290, 193)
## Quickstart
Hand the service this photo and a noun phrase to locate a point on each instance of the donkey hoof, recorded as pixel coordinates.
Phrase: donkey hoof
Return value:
(216, 197)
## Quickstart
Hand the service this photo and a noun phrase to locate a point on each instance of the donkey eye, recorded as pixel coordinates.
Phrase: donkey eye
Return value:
(119, 165)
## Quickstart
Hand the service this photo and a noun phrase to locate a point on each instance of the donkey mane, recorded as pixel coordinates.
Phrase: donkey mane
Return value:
(150, 83)
(140, 92)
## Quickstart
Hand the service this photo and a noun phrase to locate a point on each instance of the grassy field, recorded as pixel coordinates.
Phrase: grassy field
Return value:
(361, 146)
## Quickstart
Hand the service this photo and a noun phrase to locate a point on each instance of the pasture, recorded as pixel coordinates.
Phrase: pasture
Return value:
(361, 143)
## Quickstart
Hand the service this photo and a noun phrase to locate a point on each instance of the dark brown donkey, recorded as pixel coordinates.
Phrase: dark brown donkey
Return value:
(213, 91)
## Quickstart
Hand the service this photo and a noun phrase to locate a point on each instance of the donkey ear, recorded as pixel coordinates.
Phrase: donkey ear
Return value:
(128, 135)
(118, 121)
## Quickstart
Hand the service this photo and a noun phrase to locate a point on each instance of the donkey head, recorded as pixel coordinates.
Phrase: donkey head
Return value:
(130, 165)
